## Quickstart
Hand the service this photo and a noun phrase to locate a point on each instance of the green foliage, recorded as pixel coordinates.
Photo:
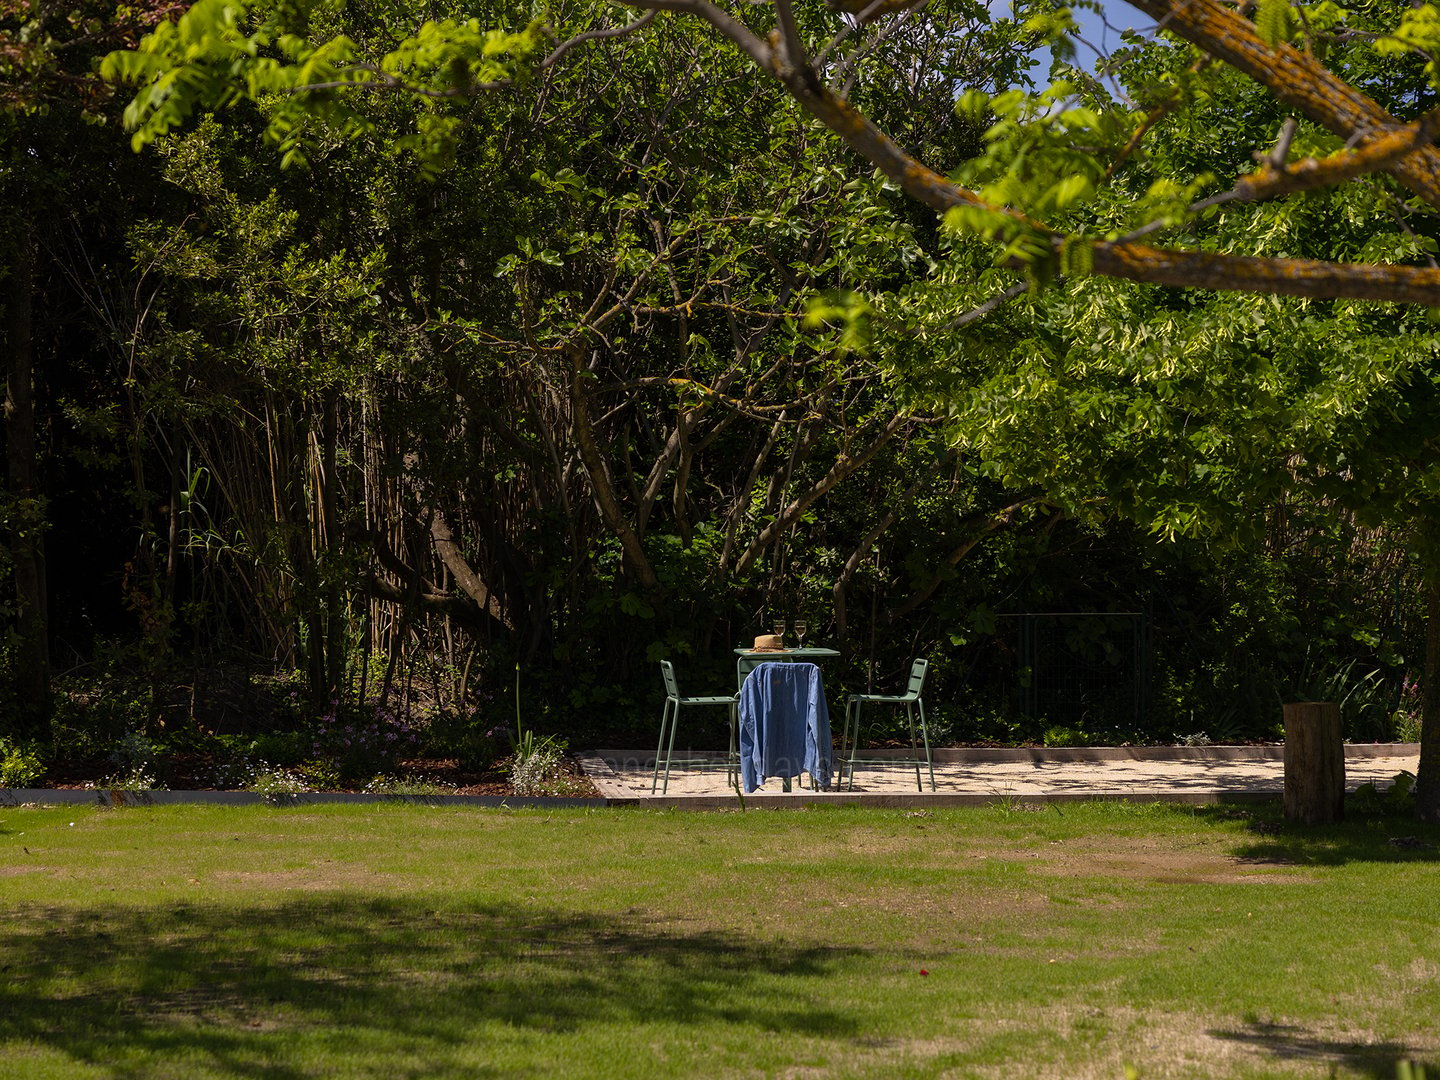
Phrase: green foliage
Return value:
(1275, 20)
(136, 764)
(359, 741)
(273, 780)
(20, 764)
(1364, 697)
(538, 765)
(1419, 30)
(1065, 735)
(284, 748)
(100, 704)
(1397, 799)
(651, 232)
(468, 738)
(220, 52)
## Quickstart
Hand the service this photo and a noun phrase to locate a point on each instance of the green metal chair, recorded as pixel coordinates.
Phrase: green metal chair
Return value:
(911, 699)
(669, 721)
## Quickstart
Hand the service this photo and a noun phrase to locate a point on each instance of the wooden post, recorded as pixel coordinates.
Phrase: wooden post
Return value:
(1314, 763)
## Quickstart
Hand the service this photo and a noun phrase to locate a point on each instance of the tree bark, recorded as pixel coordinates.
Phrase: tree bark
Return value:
(447, 550)
(27, 513)
(1297, 79)
(601, 485)
(1427, 785)
(1314, 763)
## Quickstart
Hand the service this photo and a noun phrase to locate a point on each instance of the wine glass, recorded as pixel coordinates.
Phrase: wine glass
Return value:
(779, 628)
(800, 628)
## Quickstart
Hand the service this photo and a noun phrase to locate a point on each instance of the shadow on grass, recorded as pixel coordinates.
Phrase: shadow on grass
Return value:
(1386, 838)
(1287, 1042)
(214, 984)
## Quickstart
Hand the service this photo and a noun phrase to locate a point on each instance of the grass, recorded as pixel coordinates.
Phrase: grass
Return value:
(398, 941)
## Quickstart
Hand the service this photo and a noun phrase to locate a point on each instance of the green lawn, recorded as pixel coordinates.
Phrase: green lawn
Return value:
(399, 941)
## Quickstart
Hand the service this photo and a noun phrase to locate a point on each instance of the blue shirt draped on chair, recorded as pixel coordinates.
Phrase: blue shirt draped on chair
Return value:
(784, 725)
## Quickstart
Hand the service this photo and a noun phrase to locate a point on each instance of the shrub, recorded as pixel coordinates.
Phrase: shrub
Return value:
(1398, 798)
(406, 785)
(280, 747)
(136, 764)
(538, 765)
(20, 764)
(465, 738)
(270, 780)
(364, 740)
(1065, 735)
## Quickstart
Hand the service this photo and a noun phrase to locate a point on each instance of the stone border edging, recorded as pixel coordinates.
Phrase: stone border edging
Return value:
(922, 799)
(116, 798)
(108, 798)
(605, 760)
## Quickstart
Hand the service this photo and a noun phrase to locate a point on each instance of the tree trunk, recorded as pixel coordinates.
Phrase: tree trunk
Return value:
(26, 509)
(601, 486)
(337, 628)
(1427, 786)
(1314, 763)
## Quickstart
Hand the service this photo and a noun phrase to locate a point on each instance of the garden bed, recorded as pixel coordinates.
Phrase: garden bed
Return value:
(417, 776)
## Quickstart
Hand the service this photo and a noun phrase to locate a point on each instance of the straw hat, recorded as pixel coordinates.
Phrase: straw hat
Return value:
(768, 643)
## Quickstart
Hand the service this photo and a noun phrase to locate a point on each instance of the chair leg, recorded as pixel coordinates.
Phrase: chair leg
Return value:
(732, 759)
(914, 747)
(670, 750)
(925, 734)
(660, 749)
(852, 728)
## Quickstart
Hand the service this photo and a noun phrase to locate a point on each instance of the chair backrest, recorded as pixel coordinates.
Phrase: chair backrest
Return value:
(668, 674)
(917, 675)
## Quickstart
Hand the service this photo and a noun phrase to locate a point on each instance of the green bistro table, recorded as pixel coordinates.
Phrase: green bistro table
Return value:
(747, 660)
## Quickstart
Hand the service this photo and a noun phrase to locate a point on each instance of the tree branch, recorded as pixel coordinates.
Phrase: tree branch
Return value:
(1296, 79)
(1122, 259)
(447, 549)
(596, 35)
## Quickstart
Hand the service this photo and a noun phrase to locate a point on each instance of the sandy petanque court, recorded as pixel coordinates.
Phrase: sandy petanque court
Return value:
(968, 776)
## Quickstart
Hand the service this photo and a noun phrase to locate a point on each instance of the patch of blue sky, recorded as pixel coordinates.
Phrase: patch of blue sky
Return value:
(1100, 26)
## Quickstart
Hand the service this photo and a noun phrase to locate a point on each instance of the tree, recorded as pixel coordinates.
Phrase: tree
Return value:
(198, 65)
(55, 173)
(1054, 190)
(574, 365)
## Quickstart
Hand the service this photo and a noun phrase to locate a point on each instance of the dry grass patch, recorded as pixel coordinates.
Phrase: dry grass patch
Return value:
(321, 877)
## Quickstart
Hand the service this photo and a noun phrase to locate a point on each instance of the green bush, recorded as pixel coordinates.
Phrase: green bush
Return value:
(1066, 735)
(1398, 798)
(278, 747)
(467, 738)
(136, 764)
(538, 765)
(363, 740)
(20, 764)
